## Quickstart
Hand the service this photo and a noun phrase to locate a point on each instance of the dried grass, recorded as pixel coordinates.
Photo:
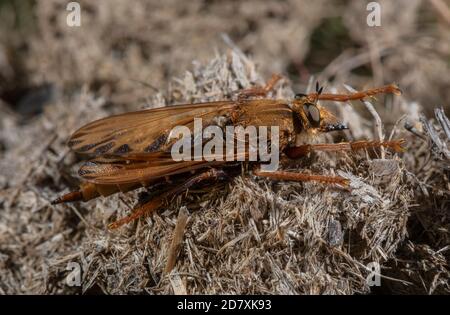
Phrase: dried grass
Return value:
(250, 236)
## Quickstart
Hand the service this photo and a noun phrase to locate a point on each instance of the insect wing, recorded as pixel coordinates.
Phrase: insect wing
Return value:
(141, 131)
(142, 167)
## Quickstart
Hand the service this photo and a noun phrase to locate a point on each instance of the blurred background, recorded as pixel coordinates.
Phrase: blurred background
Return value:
(121, 43)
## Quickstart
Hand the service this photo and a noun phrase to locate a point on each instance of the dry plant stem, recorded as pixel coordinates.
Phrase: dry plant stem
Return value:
(177, 239)
(443, 120)
(395, 127)
(151, 206)
(177, 284)
(347, 61)
(408, 126)
(375, 59)
(302, 177)
(439, 144)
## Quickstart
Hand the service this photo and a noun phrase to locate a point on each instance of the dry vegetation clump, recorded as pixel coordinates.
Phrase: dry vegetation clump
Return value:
(424, 258)
(250, 235)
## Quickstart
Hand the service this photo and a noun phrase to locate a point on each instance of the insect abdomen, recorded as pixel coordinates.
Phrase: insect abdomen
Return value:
(90, 191)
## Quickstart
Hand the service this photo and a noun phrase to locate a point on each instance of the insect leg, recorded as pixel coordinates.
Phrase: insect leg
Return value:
(392, 88)
(302, 150)
(155, 203)
(302, 177)
(260, 90)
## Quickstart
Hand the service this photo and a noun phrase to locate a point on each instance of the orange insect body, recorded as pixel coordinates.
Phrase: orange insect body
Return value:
(134, 149)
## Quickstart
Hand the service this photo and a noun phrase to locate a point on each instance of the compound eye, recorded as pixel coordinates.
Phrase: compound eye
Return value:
(313, 114)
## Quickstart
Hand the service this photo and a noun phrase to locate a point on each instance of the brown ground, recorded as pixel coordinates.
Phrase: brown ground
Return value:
(252, 235)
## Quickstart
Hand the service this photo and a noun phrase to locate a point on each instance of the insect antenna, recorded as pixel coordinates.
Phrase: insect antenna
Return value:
(319, 88)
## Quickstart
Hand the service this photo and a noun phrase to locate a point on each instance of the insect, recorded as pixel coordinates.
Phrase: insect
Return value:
(132, 150)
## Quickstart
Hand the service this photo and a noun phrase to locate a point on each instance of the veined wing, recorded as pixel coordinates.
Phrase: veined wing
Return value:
(143, 167)
(144, 135)
(141, 131)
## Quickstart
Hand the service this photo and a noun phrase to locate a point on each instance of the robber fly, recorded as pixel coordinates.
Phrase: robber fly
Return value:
(132, 150)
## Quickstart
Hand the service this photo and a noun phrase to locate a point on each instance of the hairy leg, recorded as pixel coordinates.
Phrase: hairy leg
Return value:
(302, 150)
(302, 177)
(153, 205)
(260, 90)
